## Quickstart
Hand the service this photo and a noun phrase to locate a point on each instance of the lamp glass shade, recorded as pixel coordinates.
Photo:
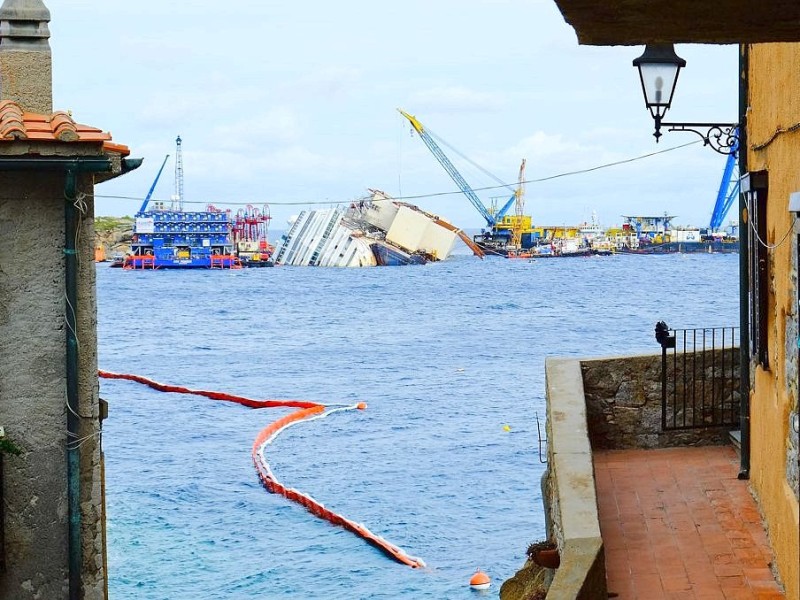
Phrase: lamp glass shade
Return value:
(659, 67)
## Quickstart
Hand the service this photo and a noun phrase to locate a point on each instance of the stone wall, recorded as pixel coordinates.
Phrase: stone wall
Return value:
(623, 402)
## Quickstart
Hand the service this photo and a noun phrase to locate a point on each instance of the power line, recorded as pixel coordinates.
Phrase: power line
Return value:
(432, 194)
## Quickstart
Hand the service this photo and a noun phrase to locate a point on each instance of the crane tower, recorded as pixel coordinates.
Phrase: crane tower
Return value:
(177, 198)
(519, 212)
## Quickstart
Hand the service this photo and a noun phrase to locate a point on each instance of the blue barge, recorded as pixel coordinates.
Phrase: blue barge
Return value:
(171, 239)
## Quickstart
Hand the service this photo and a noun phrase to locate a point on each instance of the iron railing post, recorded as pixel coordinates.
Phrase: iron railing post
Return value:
(667, 341)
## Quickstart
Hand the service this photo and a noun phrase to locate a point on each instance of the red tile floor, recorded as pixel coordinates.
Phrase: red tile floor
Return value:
(677, 523)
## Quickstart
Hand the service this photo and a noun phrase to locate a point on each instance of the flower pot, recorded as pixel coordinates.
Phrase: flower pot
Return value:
(547, 558)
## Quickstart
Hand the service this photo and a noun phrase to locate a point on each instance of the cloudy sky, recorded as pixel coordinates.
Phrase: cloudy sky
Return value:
(295, 102)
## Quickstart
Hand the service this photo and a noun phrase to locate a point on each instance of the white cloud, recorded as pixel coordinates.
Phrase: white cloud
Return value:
(279, 124)
(293, 160)
(328, 83)
(455, 99)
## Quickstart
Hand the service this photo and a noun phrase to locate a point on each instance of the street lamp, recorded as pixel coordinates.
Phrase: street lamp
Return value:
(659, 68)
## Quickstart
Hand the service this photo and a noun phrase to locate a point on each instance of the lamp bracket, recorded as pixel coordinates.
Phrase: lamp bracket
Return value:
(721, 137)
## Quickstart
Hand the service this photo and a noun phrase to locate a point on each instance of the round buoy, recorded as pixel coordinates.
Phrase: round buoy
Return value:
(506, 427)
(361, 405)
(480, 581)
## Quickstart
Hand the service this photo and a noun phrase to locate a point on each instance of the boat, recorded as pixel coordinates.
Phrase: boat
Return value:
(173, 238)
(657, 235)
(176, 239)
(562, 249)
(373, 231)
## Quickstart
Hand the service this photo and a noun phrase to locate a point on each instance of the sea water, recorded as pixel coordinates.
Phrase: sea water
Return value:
(446, 460)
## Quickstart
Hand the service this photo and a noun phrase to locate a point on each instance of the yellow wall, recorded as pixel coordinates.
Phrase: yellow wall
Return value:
(774, 103)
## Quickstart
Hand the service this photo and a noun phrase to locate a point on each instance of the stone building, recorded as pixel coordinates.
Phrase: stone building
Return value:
(768, 34)
(52, 544)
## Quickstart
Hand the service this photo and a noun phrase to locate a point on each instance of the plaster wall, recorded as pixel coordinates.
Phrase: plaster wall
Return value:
(34, 94)
(32, 389)
(774, 104)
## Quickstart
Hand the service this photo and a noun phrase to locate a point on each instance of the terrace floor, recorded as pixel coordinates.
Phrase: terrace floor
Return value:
(677, 523)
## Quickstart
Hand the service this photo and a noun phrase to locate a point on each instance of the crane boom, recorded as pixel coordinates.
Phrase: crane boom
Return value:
(498, 216)
(728, 189)
(153, 187)
(451, 170)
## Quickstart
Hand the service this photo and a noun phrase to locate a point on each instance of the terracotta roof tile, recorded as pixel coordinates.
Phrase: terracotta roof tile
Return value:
(58, 127)
(12, 125)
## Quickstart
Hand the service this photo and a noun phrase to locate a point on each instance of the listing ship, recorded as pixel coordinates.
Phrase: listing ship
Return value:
(374, 231)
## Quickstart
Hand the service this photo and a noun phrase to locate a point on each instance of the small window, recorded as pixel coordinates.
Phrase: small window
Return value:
(754, 188)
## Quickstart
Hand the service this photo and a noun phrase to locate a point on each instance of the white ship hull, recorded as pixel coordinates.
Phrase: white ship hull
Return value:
(371, 232)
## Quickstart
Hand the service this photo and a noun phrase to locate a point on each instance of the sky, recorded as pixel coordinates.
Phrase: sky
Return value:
(282, 102)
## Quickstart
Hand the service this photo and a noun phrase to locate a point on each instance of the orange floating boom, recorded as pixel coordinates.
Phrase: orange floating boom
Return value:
(162, 387)
(272, 484)
(306, 411)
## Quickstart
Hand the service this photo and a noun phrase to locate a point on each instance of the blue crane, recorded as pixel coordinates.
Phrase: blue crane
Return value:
(728, 188)
(153, 187)
(491, 219)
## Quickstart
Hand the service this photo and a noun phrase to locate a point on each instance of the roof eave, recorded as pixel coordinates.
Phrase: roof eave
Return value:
(638, 22)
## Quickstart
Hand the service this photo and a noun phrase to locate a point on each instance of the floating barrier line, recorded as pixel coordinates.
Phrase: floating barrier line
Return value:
(161, 387)
(268, 434)
(306, 411)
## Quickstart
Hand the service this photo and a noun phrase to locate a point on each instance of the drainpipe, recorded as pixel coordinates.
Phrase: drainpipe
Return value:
(744, 282)
(73, 418)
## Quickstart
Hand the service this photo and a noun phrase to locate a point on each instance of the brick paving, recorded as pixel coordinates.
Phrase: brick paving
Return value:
(677, 523)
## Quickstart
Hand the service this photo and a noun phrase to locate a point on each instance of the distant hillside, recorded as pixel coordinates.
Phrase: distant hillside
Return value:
(114, 234)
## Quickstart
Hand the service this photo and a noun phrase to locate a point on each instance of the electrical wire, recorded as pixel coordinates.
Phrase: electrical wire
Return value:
(433, 194)
(469, 160)
(72, 410)
(777, 132)
(751, 226)
(78, 442)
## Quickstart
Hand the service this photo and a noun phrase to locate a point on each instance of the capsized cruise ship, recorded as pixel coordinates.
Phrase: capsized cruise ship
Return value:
(374, 231)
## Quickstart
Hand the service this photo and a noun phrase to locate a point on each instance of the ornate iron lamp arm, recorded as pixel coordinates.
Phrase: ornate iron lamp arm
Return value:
(722, 137)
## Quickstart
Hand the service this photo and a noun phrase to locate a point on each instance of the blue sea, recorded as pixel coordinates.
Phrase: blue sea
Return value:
(444, 462)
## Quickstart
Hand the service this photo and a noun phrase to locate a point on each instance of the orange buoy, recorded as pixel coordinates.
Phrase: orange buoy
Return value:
(480, 581)
(361, 405)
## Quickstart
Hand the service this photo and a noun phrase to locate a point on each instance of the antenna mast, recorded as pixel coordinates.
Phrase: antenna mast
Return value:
(177, 198)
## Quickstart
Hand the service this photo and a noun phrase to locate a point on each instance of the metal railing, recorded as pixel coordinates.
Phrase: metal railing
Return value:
(699, 377)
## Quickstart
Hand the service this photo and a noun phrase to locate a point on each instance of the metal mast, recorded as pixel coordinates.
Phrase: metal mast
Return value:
(519, 196)
(177, 198)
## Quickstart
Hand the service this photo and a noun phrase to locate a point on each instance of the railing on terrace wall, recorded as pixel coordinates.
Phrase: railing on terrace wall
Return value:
(699, 377)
